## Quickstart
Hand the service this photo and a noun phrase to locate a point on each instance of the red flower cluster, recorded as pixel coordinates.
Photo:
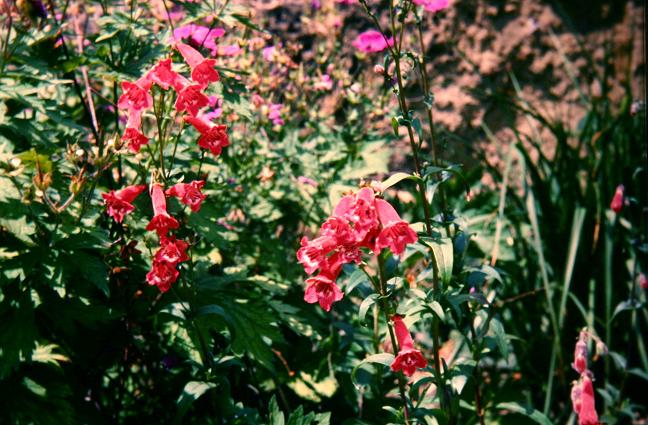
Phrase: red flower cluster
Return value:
(408, 359)
(172, 251)
(582, 393)
(359, 221)
(136, 99)
(120, 203)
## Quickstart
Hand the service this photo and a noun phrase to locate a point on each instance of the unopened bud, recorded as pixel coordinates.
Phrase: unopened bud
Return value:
(379, 69)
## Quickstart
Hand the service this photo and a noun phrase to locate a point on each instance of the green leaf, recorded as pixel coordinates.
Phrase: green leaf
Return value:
(437, 309)
(500, 337)
(529, 412)
(443, 256)
(276, 415)
(394, 124)
(193, 390)
(397, 177)
(364, 307)
(385, 359)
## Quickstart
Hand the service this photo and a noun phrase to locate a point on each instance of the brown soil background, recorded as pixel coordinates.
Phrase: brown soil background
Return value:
(475, 45)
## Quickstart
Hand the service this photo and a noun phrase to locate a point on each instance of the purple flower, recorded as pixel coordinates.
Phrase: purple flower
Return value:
(199, 35)
(432, 5)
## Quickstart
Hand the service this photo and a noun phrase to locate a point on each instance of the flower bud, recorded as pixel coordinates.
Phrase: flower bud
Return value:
(379, 69)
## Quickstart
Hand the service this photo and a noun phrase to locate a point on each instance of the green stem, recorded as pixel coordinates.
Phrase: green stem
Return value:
(382, 284)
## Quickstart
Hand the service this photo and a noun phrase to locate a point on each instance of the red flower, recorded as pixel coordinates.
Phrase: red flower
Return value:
(162, 275)
(213, 137)
(617, 201)
(360, 210)
(136, 96)
(580, 353)
(191, 99)
(408, 359)
(164, 76)
(643, 281)
(312, 254)
(172, 251)
(583, 401)
(323, 290)
(396, 233)
(202, 69)
(120, 203)
(161, 221)
(189, 193)
(132, 135)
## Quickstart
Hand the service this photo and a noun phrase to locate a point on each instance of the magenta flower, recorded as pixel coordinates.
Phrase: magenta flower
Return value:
(135, 96)
(580, 353)
(199, 35)
(274, 114)
(396, 233)
(372, 41)
(583, 402)
(408, 359)
(432, 5)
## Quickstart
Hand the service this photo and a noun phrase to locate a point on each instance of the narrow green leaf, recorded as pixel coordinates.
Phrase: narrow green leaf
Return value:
(529, 412)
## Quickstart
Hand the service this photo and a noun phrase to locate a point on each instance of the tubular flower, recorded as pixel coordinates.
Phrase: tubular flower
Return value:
(161, 221)
(396, 233)
(202, 69)
(172, 251)
(408, 359)
(164, 76)
(162, 275)
(136, 96)
(580, 353)
(189, 193)
(617, 201)
(323, 290)
(190, 97)
(120, 203)
(133, 135)
(213, 136)
(583, 401)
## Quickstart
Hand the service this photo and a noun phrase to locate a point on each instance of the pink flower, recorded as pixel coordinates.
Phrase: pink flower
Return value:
(408, 359)
(213, 137)
(372, 41)
(202, 69)
(396, 233)
(161, 221)
(360, 210)
(191, 99)
(162, 275)
(230, 50)
(583, 401)
(269, 53)
(324, 84)
(643, 281)
(432, 5)
(164, 76)
(120, 203)
(274, 114)
(313, 254)
(580, 353)
(172, 251)
(307, 181)
(323, 290)
(189, 193)
(135, 96)
(617, 201)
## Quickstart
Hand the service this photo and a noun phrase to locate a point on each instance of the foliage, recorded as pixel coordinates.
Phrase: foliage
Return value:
(494, 285)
